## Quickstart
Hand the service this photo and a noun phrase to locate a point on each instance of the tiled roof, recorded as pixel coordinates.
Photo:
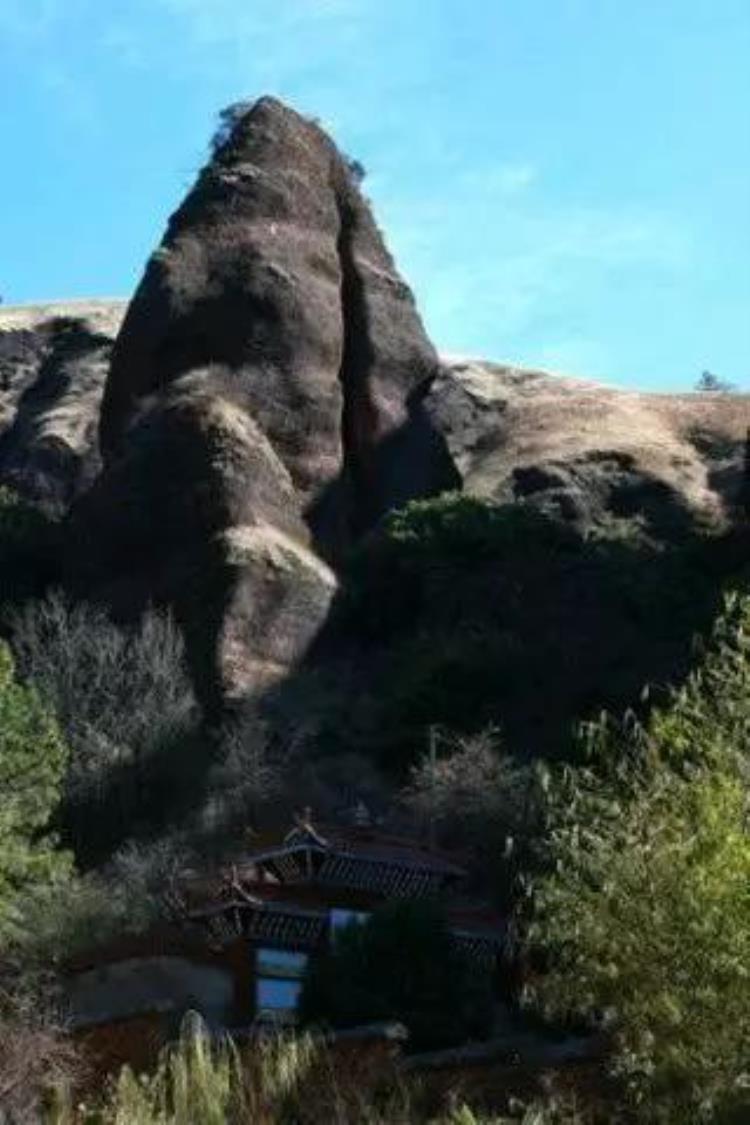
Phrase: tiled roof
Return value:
(355, 858)
(365, 844)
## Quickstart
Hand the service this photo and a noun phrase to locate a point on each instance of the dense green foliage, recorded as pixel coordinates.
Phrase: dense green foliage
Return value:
(427, 546)
(33, 757)
(644, 912)
(401, 964)
(465, 612)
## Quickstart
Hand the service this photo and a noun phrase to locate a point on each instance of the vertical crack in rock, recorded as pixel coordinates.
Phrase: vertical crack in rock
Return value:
(359, 417)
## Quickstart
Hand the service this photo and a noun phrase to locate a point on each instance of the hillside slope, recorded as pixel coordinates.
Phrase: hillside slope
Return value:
(593, 449)
(511, 431)
(648, 486)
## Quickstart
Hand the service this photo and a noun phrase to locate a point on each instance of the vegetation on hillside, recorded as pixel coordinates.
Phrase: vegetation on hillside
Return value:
(282, 1081)
(632, 861)
(123, 699)
(643, 911)
(709, 383)
(33, 757)
(472, 796)
(465, 613)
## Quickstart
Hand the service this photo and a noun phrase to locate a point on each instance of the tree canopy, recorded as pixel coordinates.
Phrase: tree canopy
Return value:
(33, 757)
(643, 909)
(714, 384)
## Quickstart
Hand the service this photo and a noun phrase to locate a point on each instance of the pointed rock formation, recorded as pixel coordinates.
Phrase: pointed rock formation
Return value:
(263, 407)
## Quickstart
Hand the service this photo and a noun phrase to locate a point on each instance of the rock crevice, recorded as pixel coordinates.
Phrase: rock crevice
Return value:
(359, 420)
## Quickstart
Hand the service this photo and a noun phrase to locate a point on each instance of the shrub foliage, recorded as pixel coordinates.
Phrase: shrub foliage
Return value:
(644, 909)
(33, 757)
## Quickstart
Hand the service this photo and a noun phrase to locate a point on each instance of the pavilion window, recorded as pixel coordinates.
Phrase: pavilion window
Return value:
(278, 983)
(340, 918)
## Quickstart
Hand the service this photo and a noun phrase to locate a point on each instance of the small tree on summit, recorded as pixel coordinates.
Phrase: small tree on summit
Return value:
(713, 384)
(228, 117)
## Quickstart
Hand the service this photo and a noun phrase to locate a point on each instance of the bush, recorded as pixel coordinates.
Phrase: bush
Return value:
(33, 757)
(245, 777)
(122, 696)
(441, 604)
(644, 910)
(714, 384)
(476, 797)
(423, 552)
(282, 1081)
(53, 922)
(400, 964)
(115, 689)
(463, 612)
(37, 1061)
(228, 118)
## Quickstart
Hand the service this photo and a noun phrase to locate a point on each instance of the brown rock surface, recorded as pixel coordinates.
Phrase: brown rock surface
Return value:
(590, 452)
(507, 428)
(274, 271)
(53, 365)
(263, 406)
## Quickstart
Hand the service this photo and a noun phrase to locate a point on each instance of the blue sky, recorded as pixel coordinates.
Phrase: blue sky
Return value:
(565, 183)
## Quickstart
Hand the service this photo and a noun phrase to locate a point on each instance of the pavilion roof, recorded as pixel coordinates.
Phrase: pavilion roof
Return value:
(359, 845)
(359, 859)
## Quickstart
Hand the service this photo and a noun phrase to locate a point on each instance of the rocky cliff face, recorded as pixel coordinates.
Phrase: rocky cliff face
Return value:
(512, 433)
(53, 365)
(263, 406)
(270, 393)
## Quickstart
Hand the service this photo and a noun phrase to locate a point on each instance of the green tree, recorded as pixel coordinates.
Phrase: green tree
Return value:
(228, 119)
(644, 910)
(401, 964)
(714, 384)
(32, 763)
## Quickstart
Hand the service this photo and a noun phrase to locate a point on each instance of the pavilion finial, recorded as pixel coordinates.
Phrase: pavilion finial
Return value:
(361, 815)
(303, 826)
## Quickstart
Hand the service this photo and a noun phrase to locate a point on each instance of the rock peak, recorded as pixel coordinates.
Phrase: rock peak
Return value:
(269, 374)
(245, 125)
